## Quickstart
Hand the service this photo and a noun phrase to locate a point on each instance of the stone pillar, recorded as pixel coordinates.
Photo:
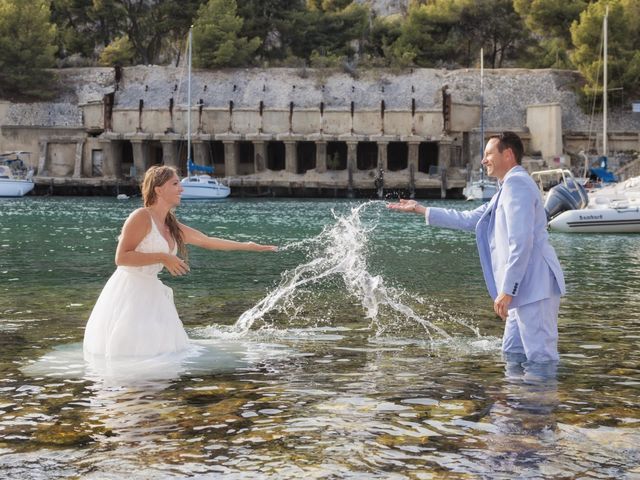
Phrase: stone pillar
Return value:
(413, 155)
(201, 152)
(444, 162)
(352, 156)
(112, 160)
(77, 167)
(290, 156)
(321, 156)
(42, 157)
(383, 158)
(444, 153)
(259, 155)
(140, 157)
(170, 151)
(230, 158)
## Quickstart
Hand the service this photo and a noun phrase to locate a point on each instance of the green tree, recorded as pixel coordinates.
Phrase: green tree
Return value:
(384, 32)
(330, 33)
(27, 47)
(215, 37)
(119, 52)
(75, 30)
(425, 35)
(623, 46)
(451, 33)
(328, 5)
(273, 22)
(550, 21)
(156, 28)
(494, 25)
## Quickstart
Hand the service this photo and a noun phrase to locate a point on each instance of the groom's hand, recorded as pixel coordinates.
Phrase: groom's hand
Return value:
(501, 305)
(407, 206)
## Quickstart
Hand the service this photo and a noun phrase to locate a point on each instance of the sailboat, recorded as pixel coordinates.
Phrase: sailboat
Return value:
(480, 187)
(615, 216)
(198, 186)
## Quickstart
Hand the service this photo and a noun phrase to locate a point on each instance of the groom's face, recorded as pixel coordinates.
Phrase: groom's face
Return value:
(497, 163)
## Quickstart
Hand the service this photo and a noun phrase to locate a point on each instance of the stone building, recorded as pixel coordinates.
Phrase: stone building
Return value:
(296, 131)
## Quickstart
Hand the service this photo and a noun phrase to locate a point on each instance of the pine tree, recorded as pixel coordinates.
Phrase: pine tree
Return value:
(26, 47)
(623, 45)
(215, 37)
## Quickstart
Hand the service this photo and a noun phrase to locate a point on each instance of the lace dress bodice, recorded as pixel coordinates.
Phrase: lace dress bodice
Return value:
(153, 242)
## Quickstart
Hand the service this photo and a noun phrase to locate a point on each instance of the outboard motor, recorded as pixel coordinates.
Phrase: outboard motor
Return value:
(569, 195)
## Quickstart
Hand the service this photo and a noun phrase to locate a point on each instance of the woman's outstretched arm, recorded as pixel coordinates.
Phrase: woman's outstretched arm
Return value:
(199, 239)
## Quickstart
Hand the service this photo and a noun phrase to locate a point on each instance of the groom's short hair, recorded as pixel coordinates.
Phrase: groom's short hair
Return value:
(510, 140)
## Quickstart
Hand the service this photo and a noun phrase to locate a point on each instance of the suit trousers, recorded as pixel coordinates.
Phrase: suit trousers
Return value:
(532, 330)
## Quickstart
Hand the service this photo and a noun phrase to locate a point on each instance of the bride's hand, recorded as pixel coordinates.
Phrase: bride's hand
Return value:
(175, 265)
(257, 247)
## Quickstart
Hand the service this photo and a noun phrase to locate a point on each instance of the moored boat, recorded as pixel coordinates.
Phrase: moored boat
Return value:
(203, 187)
(15, 179)
(481, 189)
(598, 220)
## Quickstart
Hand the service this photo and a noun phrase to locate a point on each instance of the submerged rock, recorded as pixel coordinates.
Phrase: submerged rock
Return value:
(61, 435)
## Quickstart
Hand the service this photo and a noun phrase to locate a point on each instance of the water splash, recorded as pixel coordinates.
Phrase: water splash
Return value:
(340, 251)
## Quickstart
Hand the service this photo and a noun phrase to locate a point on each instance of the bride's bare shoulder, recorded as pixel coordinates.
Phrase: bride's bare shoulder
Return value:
(138, 219)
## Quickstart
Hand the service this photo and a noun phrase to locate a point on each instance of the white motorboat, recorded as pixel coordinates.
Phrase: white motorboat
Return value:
(560, 191)
(611, 209)
(621, 219)
(15, 179)
(203, 187)
(616, 193)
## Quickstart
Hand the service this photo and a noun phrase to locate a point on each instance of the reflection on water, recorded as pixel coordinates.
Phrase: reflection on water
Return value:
(316, 387)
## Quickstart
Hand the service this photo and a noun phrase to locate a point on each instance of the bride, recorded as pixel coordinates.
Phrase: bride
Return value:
(135, 314)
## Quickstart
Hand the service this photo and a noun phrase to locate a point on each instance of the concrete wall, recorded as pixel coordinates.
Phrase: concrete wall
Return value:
(545, 125)
(93, 115)
(464, 117)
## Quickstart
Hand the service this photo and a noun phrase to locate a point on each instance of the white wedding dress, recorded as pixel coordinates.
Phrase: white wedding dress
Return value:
(135, 315)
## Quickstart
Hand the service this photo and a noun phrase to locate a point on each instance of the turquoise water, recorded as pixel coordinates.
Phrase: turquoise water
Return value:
(378, 358)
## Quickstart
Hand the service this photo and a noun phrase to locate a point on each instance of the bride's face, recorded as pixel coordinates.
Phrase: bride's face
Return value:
(170, 191)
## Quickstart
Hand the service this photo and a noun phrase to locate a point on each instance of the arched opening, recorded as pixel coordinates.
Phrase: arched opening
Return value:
(367, 155)
(397, 156)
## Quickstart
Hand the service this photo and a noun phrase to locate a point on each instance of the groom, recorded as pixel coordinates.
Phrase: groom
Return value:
(520, 267)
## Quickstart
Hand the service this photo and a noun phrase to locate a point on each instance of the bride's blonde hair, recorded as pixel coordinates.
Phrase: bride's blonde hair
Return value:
(156, 176)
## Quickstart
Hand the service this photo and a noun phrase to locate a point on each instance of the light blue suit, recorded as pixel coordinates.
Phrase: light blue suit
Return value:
(516, 258)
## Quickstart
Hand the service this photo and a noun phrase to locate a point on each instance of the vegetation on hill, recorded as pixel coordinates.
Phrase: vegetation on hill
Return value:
(36, 34)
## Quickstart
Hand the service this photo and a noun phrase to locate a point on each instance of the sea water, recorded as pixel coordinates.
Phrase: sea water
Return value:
(366, 347)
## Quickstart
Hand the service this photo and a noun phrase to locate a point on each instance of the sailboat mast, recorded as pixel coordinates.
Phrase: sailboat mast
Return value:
(605, 149)
(481, 110)
(189, 104)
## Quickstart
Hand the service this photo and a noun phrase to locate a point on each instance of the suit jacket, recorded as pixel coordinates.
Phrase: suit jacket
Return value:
(512, 239)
